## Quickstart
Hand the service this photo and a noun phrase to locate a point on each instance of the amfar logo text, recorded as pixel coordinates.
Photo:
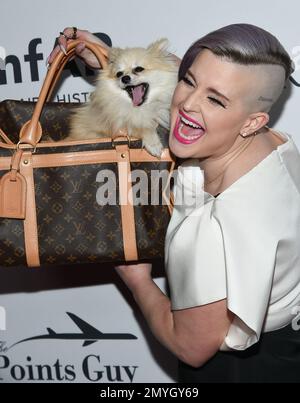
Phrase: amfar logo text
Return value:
(33, 58)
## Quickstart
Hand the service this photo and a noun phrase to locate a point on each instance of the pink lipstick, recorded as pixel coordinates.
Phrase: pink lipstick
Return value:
(187, 130)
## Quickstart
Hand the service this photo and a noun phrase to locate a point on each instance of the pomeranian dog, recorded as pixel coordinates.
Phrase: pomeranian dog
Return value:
(133, 93)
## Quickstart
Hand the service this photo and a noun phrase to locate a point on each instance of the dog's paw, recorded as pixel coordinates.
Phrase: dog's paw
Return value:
(155, 148)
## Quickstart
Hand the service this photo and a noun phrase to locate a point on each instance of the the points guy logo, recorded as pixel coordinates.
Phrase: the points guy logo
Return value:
(2, 318)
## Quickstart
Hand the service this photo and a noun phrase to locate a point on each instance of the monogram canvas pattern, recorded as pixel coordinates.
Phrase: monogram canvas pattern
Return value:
(12, 248)
(151, 221)
(72, 226)
(54, 118)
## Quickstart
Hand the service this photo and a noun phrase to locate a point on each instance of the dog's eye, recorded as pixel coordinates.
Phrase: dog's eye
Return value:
(119, 74)
(138, 69)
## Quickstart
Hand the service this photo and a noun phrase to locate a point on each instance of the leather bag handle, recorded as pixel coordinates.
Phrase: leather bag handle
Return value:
(31, 132)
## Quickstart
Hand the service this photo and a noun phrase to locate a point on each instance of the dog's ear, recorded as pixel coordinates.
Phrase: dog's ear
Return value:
(160, 45)
(113, 53)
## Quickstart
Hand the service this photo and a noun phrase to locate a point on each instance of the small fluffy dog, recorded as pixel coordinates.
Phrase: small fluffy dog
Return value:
(133, 92)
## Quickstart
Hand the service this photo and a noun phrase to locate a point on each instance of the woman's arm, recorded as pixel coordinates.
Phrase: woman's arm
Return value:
(194, 335)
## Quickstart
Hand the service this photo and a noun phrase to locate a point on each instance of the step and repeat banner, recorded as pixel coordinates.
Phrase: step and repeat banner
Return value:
(80, 324)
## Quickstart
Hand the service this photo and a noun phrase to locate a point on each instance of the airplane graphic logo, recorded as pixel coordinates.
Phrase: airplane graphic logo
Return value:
(88, 334)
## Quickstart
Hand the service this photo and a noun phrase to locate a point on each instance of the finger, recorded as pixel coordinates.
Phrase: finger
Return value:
(53, 54)
(89, 58)
(68, 33)
(62, 43)
(80, 48)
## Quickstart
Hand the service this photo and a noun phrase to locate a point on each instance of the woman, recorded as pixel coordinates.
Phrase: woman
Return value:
(232, 258)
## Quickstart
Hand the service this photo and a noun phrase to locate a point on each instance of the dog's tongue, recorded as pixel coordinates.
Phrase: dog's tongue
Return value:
(137, 95)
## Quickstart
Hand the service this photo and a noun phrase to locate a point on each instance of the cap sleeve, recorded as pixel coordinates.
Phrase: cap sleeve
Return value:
(250, 244)
(214, 250)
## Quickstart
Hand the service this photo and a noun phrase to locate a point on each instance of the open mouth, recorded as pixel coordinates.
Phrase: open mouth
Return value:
(138, 93)
(187, 130)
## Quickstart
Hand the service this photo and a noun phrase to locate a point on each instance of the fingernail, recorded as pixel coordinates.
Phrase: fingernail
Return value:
(63, 49)
(47, 61)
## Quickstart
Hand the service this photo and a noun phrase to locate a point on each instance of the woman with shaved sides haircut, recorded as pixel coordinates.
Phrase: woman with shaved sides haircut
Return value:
(232, 250)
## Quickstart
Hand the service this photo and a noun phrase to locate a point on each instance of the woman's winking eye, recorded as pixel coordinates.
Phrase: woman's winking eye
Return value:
(212, 100)
(187, 81)
(216, 102)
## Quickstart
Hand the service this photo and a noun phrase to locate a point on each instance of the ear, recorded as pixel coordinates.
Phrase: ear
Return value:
(113, 53)
(159, 46)
(254, 123)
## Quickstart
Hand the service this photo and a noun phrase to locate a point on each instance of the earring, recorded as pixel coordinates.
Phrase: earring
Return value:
(245, 135)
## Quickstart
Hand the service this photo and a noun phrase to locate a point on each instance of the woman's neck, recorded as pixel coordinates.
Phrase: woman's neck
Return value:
(215, 167)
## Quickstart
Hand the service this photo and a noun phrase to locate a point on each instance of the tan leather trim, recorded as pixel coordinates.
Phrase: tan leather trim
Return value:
(167, 194)
(126, 204)
(63, 143)
(140, 155)
(77, 158)
(55, 80)
(8, 146)
(85, 158)
(92, 157)
(15, 163)
(13, 190)
(31, 131)
(5, 138)
(5, 163)
(68, 142)
(30, 222)
(88, 157)
(12, 196)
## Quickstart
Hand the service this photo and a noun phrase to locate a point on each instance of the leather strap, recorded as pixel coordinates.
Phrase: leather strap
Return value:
(5, 138)
(13, 190)
(167, 193)
(15, 164)
(126, 203)
(30, 222)
(86, 157)
(12, 196)
(31, 131)
(91, 157)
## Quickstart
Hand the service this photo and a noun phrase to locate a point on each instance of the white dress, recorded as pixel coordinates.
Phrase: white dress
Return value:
(243, 245)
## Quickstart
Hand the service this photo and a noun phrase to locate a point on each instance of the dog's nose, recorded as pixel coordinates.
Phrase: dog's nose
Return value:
(126, 79)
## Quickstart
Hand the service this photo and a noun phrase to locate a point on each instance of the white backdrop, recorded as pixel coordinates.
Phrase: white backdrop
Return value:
(33, 300)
